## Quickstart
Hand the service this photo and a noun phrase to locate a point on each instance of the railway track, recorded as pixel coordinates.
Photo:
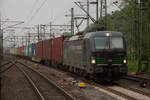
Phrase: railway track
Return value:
(130, 93)
(6, 66)
(144, 82)
(45, 88)
(123, 92)
(136, 90)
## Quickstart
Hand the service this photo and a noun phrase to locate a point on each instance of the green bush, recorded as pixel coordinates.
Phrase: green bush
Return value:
(132, 66)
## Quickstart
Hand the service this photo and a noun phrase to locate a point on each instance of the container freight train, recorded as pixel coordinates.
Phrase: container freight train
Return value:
(98, 55)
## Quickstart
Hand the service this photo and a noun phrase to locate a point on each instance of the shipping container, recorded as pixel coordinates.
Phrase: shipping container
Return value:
(13, 51)
(25, 51)
(30, 50)
(6, 50)
(57, 49)
(21, 50)
(18, 51)
(33, 49)
(39, 46)
(47, 49)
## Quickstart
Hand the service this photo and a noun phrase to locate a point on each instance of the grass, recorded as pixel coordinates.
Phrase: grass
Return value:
(133, 66)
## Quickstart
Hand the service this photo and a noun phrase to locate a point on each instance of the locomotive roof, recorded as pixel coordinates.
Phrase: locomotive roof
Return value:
(102, 33)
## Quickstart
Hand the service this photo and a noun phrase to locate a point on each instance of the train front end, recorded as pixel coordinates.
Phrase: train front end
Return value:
(108, 56)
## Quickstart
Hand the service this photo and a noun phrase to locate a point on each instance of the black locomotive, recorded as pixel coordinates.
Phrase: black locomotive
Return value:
(99, 55)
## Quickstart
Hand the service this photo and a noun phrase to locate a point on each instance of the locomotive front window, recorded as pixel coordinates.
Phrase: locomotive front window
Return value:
(101, 42)
(108, 43)
(116, 43)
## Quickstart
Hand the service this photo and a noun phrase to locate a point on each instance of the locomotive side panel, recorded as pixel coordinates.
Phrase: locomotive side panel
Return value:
(87, 56)
(73, 54)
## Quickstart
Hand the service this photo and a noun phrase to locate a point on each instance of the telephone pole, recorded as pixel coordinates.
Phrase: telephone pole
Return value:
(103, 13)
(1, 40)
(97, 11)
(143, 40)
(50, 30)
(22, 41)
(38, 31)
(72, 21)
(88, 19)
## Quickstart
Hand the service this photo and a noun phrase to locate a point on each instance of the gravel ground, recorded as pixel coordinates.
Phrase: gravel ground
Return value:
(132, 84)
(146, 75)
(14, 86)
(3, 62)
(58, 77)
(130, 93)
(48, 90)
(65, 80)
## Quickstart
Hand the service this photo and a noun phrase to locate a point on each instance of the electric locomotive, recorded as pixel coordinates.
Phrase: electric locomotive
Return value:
(99, 55)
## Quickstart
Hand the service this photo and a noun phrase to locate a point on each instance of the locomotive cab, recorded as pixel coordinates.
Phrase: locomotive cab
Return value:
(107, 54)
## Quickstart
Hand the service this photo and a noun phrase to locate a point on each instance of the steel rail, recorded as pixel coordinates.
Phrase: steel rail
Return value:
(4, 64)
(32, 84)
(136, 90)
(139, 79)
(91, 82)
(116, 92)
(111, 90)
(65, 93)
(104, 87)
(5, 69)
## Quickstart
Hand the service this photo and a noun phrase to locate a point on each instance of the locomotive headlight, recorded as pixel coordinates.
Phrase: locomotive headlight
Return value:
(107, 34)
(124, 61)
(93, 60)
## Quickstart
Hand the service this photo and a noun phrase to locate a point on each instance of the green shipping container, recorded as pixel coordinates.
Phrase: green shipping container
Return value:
(30, 50)
(25, 50)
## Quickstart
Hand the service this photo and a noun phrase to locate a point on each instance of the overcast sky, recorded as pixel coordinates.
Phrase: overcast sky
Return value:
(34, 12)
(52, 10)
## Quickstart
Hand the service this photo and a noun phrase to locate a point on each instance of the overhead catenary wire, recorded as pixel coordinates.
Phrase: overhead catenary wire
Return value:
(36, 12)
(32, 9)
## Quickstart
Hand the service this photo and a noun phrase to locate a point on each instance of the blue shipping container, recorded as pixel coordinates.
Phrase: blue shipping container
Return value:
(33, 49)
